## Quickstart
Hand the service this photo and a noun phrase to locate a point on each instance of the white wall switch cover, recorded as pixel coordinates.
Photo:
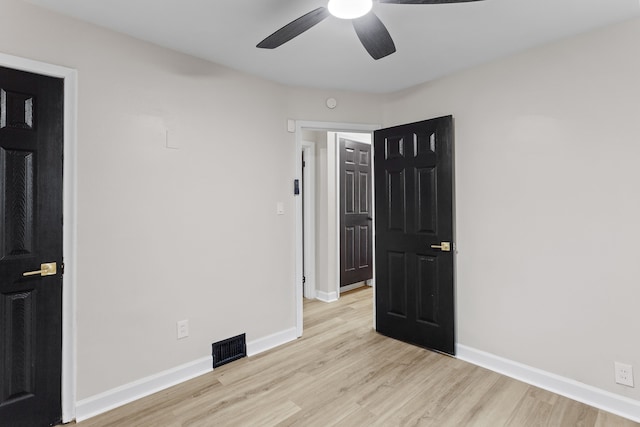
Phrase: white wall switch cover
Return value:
(171, 141)
(280, 208)
(291, 126)
(183, 328)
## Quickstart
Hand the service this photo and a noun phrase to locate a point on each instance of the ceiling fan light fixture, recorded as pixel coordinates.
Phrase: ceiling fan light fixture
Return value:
(349, 9)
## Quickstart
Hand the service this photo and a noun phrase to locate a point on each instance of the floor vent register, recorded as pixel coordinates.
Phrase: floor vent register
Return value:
(228, 350)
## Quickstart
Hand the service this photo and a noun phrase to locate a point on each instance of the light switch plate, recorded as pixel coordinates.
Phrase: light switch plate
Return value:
(183, 328)
(171, 141)
(280, 208)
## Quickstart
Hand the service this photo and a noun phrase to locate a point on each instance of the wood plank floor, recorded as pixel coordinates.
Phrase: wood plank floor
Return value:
(342, 373)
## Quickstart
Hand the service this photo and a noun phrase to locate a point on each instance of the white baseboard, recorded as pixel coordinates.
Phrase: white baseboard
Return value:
(327, 296)
(271, 341)
(310, 293)
(598, 398)
(103, 402)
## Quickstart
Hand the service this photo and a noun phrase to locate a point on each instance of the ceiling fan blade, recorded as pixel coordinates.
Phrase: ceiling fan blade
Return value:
(374, 36)
(294, 28)
(425, 1)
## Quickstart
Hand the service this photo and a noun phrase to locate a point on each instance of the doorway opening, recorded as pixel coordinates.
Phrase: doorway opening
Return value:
(317, 273)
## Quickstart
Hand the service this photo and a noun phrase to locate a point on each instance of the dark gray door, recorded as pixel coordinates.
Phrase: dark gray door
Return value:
(31, 148)
(414, 233)
(356, 235)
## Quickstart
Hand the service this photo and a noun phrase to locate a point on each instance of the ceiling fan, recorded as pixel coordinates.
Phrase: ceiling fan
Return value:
(370, 30)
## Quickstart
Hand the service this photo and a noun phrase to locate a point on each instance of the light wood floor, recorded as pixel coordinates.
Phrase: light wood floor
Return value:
(341, 372)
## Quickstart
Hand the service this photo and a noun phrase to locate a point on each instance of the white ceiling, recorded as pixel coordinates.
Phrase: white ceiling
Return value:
(431, 40)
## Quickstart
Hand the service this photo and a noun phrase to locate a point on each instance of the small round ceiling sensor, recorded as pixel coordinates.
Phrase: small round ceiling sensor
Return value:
(332, 103)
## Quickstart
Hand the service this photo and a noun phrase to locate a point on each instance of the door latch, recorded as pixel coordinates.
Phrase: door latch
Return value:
(47, 269)
(443, 246)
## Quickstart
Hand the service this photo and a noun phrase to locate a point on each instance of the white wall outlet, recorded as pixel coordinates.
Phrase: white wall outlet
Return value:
(183, 328)
(624, 374)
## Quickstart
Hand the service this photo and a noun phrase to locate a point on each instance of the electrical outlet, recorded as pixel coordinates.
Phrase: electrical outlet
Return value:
(624, 374)
(183, 328)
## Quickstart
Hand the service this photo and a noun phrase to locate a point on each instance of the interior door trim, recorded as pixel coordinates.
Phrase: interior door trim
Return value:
(69, 194)
(301, 125)
(309, 201)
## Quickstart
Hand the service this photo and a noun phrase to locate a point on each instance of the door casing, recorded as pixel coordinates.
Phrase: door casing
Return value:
(301, 125)
(308, 200)
(69, 194)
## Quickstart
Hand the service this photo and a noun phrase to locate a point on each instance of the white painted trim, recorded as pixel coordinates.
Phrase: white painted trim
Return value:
(372, 282)
(322, 126)
(334, 126)
(336, 194)
(135, 390)
(70, 77)
(327, 296)
(271, 341)
(598, 398)
(309, 199)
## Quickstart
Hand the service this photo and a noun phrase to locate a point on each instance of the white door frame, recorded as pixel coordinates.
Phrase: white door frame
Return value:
(316, 126)
(69, 193)
(309, 202)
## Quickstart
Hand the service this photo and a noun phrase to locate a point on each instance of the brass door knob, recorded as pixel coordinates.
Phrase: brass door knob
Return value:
(444, 246)
(47, 269)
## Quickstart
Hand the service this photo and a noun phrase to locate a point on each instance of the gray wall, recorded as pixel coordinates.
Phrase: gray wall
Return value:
(165, 235)
(547, 183)
(546, 179)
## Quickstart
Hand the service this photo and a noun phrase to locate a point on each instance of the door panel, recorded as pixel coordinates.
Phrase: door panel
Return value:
(356, 236)
(414, 210)
(397, 296)
(427, 214)
(16, 166)
(31, 122)
(18, 343)
(396, 196)
(427, 290)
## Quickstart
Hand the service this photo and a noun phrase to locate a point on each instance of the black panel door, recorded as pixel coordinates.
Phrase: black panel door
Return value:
(356, 236)
(31, 123)
(414, 224)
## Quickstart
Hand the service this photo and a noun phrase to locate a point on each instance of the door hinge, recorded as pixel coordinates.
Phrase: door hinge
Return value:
(304, 280)
(304, 164)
